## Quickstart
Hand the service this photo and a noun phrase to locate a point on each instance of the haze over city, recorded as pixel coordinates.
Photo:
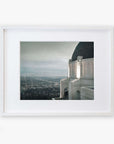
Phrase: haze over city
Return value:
(46, 58)
(43, 65)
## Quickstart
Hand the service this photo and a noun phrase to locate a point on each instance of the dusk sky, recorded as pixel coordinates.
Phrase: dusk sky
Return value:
(46, 58)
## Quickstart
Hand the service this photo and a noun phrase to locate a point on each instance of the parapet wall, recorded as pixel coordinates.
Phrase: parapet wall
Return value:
(87, 68)
(83, 68)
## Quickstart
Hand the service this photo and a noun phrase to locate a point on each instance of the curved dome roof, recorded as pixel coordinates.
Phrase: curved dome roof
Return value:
(85, 49)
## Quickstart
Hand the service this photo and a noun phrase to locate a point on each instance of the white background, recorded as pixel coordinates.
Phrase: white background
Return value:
(57, 130)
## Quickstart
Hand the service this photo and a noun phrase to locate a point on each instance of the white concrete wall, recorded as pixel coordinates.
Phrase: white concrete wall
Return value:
(84, 69)
(86, 82)
(86, 93)
(87, 68)
(74, 86)
(73, 69)
(63, 84)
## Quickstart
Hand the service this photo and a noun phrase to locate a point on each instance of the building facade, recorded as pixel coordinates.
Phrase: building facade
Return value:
(79, 85)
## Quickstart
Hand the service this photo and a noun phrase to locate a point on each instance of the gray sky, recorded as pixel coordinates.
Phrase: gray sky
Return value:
(46, 58)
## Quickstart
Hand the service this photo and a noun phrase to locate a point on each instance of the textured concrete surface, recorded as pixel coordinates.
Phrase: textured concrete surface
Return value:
(80, 81)
(87, 93)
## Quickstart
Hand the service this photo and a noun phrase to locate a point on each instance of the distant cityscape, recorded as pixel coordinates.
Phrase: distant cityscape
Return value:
(40, 88)
(42, 66)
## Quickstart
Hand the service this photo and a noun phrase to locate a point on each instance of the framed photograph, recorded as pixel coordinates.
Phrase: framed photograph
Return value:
(61, 71)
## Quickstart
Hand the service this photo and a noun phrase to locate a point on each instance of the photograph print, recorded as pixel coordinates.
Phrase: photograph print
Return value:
(57, 70)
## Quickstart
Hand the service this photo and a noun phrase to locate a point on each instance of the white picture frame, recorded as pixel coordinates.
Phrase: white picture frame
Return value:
(102, 106)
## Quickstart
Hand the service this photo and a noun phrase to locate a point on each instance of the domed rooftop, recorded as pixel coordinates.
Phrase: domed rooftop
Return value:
(85, 49)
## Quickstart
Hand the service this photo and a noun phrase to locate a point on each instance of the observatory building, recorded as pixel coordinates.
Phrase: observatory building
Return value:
(80, 82)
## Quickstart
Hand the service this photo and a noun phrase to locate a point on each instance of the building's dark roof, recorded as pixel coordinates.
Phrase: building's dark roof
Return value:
(85, 49)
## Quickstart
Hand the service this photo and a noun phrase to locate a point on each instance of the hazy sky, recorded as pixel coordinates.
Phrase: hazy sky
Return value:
(46, 58)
